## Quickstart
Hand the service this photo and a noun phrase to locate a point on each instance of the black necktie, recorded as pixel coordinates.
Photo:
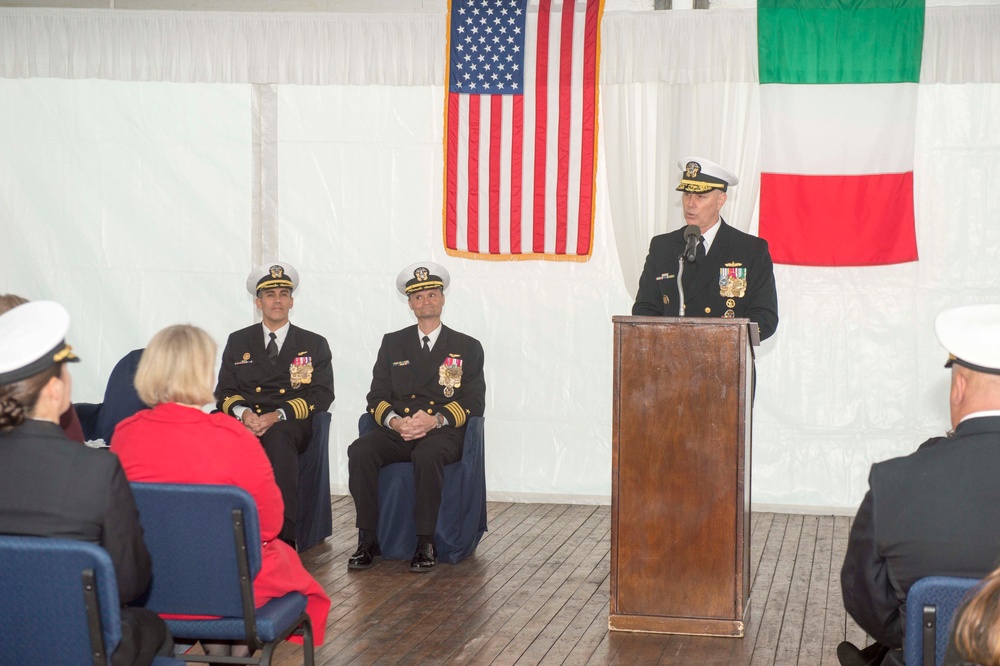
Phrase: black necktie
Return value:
(691, 270)
(427, 346)
(272, 347)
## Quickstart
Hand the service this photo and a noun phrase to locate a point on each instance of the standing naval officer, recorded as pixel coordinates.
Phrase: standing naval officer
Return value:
(274, 377)
(729, 274)
(426, 383)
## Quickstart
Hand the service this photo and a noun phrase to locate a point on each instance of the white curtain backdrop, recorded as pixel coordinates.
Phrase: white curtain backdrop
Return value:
(149, 159)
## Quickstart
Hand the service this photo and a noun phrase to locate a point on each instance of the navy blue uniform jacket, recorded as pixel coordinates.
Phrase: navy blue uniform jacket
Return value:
(248, 377)
(658, 294)
(931, 513)
(404, 380)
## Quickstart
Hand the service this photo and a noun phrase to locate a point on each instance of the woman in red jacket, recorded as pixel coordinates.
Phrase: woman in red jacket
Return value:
(176, 442)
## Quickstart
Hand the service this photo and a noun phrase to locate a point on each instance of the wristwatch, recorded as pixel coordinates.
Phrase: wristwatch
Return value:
(440, 420)
(281, 415)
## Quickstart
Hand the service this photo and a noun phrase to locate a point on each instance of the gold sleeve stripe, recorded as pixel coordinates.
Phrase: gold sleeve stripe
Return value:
(230, 401)
(457, 413)
(381, 410)
(301, 408)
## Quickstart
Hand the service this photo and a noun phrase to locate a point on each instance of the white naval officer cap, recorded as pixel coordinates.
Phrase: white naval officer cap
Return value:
(33, 339)
(970, 334)
(422, 275)
(272, 275)
(702, 175)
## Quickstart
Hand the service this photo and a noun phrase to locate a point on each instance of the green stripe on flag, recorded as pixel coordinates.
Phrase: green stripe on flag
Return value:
(840, 41)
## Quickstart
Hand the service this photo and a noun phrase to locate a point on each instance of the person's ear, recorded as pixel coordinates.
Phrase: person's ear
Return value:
(959, 385)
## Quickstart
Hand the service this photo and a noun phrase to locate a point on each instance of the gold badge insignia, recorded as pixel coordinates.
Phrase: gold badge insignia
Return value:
(692, 169)
(729, 314)
(277, 271)
(732, 281)
(421, 274)
(450, 375)
(300, 371)
(730, 303)
(666, 299)
(246, 356)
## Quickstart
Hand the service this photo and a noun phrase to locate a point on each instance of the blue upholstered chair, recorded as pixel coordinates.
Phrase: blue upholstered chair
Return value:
(315, 518)
(930, 606)
(205, 545)
(60, 603)
(462, 517)
(120, 401)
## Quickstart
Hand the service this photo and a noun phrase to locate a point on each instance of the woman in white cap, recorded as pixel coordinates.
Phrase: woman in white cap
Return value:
(69, 421)
(51, 486)
(176, 442)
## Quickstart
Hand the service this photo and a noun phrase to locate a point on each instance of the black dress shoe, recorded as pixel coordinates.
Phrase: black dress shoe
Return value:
(849, 655)
(368, 554)
(424, 559)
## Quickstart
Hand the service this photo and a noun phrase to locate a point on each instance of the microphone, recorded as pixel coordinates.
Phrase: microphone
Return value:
(692, 235)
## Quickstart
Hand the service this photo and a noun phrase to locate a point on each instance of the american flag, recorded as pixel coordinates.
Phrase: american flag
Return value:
(521, 129)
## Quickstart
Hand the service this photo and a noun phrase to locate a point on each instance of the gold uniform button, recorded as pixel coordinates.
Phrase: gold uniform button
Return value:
(258, 410)
(708, 310)
(430, 411)
(730, 303)
(406, 411)
(412, 397)
(432, 402)
(258, 389)
(281, 390)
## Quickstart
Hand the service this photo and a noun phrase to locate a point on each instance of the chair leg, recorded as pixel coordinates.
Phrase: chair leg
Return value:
(307, 644)
(265, 655)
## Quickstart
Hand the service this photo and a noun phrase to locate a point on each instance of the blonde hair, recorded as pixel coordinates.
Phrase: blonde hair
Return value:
(177, 367)
(977, 633)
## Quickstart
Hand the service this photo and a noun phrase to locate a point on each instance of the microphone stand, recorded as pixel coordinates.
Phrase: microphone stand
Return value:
(680, 285)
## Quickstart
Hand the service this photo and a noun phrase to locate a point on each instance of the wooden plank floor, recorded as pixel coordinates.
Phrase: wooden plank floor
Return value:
(537, 592)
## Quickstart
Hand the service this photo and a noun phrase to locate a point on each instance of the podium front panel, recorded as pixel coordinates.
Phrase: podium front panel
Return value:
(680, 485)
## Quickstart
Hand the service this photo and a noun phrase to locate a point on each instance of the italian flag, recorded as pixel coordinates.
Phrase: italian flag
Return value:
(838, 101)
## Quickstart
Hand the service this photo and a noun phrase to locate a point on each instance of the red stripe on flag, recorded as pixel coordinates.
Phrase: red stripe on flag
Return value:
(472, 228)
(541, 124)
(588, 145)
(511, 178)
(451, 185)
(565, 107)
(838, 220)
(516, 150)
(496, 131)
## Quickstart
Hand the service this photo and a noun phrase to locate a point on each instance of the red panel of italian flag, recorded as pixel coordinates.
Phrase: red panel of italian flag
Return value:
(838, 119)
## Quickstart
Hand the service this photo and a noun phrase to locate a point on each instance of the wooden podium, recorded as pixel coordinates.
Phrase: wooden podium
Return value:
(680, 489)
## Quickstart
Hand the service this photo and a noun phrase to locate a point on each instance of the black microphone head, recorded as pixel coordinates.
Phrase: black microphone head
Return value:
(692, 230)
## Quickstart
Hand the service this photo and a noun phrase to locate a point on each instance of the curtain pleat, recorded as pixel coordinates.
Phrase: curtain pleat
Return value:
(223, 47)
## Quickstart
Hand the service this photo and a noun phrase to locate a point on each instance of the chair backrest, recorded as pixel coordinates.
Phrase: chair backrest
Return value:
(192, 538)
(59, 602)
(930, 606)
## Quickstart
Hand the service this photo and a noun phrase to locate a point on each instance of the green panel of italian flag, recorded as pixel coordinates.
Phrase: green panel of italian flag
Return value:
(838, 119)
